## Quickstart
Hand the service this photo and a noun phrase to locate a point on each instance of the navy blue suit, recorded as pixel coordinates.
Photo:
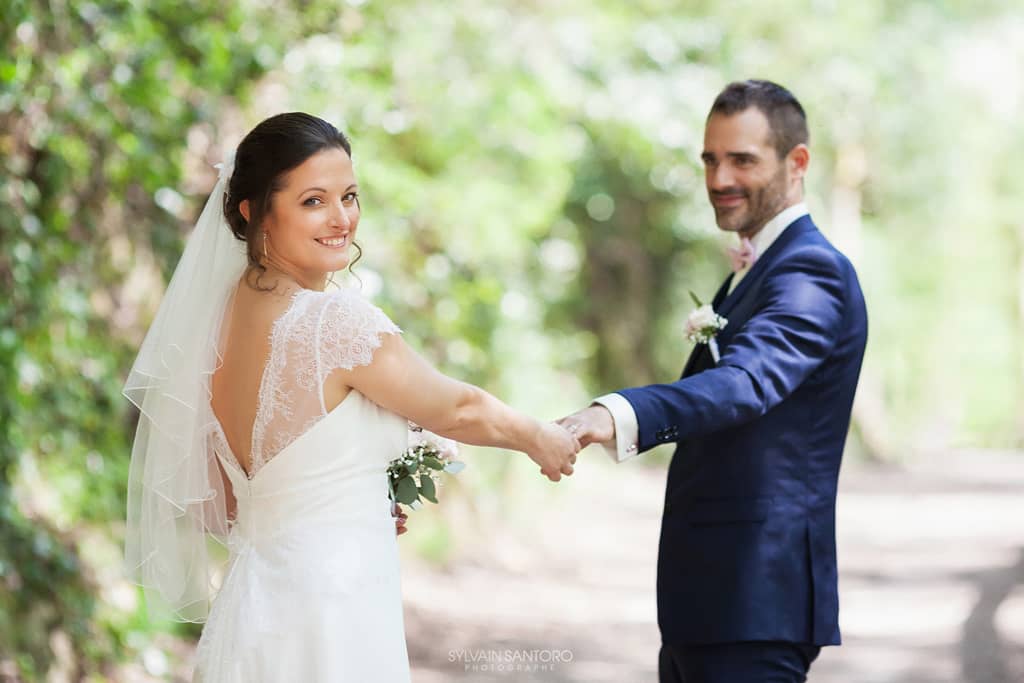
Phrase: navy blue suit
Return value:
(748, 548)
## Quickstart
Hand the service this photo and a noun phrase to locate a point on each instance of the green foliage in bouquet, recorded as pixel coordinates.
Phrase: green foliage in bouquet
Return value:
(413, 475)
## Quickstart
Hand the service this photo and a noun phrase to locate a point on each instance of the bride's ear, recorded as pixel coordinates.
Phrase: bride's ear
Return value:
(243, 208)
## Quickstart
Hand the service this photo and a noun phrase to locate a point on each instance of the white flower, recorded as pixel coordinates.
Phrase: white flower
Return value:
(414, 474)
(703, 323)
(447, 448)
(702, 317)
(226, 167)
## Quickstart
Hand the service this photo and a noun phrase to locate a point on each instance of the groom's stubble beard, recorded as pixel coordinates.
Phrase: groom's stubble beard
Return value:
(763, 204)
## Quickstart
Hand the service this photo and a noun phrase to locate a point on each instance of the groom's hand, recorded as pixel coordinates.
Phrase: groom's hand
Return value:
(593, 424)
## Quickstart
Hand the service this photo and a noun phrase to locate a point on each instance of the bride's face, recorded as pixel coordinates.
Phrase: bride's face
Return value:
(312, 219)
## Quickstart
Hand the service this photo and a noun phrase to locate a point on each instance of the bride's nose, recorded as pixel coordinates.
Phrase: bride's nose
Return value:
(339, 217)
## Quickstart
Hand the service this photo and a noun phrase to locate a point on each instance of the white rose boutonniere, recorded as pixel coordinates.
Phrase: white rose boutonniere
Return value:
(703, 324)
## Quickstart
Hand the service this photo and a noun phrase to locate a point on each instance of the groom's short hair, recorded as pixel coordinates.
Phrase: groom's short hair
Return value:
(786, 118)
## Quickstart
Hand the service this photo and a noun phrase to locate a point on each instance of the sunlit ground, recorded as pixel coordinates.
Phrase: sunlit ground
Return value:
(932, 582)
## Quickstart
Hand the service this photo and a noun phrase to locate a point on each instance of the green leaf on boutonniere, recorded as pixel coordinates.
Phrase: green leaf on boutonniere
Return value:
(432, 462)
(427, 489)
(695, 299)
(405, 491)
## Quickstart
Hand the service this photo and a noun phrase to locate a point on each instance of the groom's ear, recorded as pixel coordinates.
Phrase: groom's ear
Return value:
(243, 208)
(797, 160)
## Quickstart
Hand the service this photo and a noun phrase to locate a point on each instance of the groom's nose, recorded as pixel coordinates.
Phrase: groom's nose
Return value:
(720, 177)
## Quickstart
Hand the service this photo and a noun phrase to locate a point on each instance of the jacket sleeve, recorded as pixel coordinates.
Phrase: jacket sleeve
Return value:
(794, 327)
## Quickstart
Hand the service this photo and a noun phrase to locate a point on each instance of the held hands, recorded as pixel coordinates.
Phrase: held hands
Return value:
(555, 450)
(593, 424)
(560, 442)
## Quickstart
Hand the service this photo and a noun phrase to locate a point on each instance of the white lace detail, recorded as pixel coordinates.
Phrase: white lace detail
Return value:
(319, 333)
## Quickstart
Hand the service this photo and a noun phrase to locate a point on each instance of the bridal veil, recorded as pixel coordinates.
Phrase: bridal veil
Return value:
(176, 496)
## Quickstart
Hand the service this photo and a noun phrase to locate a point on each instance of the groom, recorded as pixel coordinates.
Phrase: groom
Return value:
(747, 588)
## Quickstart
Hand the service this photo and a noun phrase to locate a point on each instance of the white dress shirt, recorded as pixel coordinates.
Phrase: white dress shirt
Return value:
(627, 431)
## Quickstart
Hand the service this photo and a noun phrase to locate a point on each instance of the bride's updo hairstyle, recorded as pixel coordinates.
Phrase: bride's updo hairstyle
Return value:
(270, 150)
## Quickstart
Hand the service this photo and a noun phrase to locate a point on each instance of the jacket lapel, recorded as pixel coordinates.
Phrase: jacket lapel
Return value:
(698, 352)
(792, 231)
(722, 292)
(725, 301)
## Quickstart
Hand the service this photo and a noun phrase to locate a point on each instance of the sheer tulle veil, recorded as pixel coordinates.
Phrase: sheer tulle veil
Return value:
(176, 497)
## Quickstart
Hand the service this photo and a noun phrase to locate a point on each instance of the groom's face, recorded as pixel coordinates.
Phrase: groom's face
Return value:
(746, 180)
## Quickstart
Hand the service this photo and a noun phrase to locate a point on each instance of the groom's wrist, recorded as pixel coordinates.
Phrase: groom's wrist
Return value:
(605, 421)
(624, 445)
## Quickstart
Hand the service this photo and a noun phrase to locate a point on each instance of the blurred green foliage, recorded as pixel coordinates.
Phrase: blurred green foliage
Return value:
(533, 217)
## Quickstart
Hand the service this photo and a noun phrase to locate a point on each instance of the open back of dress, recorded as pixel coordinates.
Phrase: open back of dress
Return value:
(312, 591)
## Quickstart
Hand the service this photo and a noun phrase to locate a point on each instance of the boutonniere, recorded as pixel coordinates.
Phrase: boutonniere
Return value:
(703, 324)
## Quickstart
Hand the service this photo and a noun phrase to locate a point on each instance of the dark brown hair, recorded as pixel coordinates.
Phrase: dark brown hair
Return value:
(270, 150)
(786, 118)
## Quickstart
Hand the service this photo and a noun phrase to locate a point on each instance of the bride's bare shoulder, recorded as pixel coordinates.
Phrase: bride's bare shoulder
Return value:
(259, 305)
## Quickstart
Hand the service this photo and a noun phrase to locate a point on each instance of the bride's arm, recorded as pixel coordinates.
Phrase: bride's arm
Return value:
(401, 381)
(230, 502)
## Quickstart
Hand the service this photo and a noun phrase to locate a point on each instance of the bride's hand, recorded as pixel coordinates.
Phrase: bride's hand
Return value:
(554, 450)
(400, 519)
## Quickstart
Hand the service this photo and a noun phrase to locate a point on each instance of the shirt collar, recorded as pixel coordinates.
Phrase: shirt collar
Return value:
(773, 228)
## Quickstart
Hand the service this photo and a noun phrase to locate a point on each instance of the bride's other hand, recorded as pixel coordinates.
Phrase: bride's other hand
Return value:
(555, 451)
(400, 519)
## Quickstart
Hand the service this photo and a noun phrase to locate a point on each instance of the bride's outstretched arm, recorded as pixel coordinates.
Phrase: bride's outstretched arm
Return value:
(402, 381)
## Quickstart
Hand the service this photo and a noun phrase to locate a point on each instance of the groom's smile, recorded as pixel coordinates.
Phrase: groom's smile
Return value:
(727, 200)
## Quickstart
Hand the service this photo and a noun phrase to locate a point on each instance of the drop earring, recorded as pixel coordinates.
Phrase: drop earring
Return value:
(265, 238)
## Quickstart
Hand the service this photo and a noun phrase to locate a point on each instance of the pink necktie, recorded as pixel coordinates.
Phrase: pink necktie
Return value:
(743, 256)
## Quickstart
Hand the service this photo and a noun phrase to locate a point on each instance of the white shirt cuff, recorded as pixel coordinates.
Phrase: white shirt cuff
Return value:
(627, 431)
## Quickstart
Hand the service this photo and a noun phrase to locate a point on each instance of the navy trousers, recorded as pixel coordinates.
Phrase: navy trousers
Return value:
(753, 662)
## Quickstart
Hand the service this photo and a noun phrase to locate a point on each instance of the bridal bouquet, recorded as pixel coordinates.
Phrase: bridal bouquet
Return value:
(414, 474)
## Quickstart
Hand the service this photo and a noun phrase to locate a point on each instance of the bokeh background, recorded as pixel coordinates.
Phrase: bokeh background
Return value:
(533, 217)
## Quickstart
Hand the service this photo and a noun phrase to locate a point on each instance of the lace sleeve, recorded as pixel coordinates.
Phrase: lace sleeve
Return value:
(350, 331)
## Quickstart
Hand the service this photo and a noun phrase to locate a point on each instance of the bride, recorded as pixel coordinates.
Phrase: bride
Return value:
(270, 408)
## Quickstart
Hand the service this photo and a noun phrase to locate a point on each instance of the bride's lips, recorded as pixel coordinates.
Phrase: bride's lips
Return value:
(333, 242)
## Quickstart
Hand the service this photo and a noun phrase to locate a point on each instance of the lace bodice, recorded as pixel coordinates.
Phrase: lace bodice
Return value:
(312, 590)
(318, 333)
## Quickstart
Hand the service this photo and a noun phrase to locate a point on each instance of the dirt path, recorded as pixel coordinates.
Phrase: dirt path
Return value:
(931, 587)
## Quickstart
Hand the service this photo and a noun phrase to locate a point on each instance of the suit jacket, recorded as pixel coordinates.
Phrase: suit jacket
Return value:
(748, 548)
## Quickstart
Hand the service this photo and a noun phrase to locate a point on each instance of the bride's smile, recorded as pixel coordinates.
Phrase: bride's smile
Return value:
(333, 242)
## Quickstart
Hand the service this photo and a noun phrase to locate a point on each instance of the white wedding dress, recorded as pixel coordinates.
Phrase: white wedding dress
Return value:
(311, 592)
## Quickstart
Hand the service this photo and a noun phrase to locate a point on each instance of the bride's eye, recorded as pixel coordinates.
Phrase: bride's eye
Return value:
(311, 199)
(350, 197)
